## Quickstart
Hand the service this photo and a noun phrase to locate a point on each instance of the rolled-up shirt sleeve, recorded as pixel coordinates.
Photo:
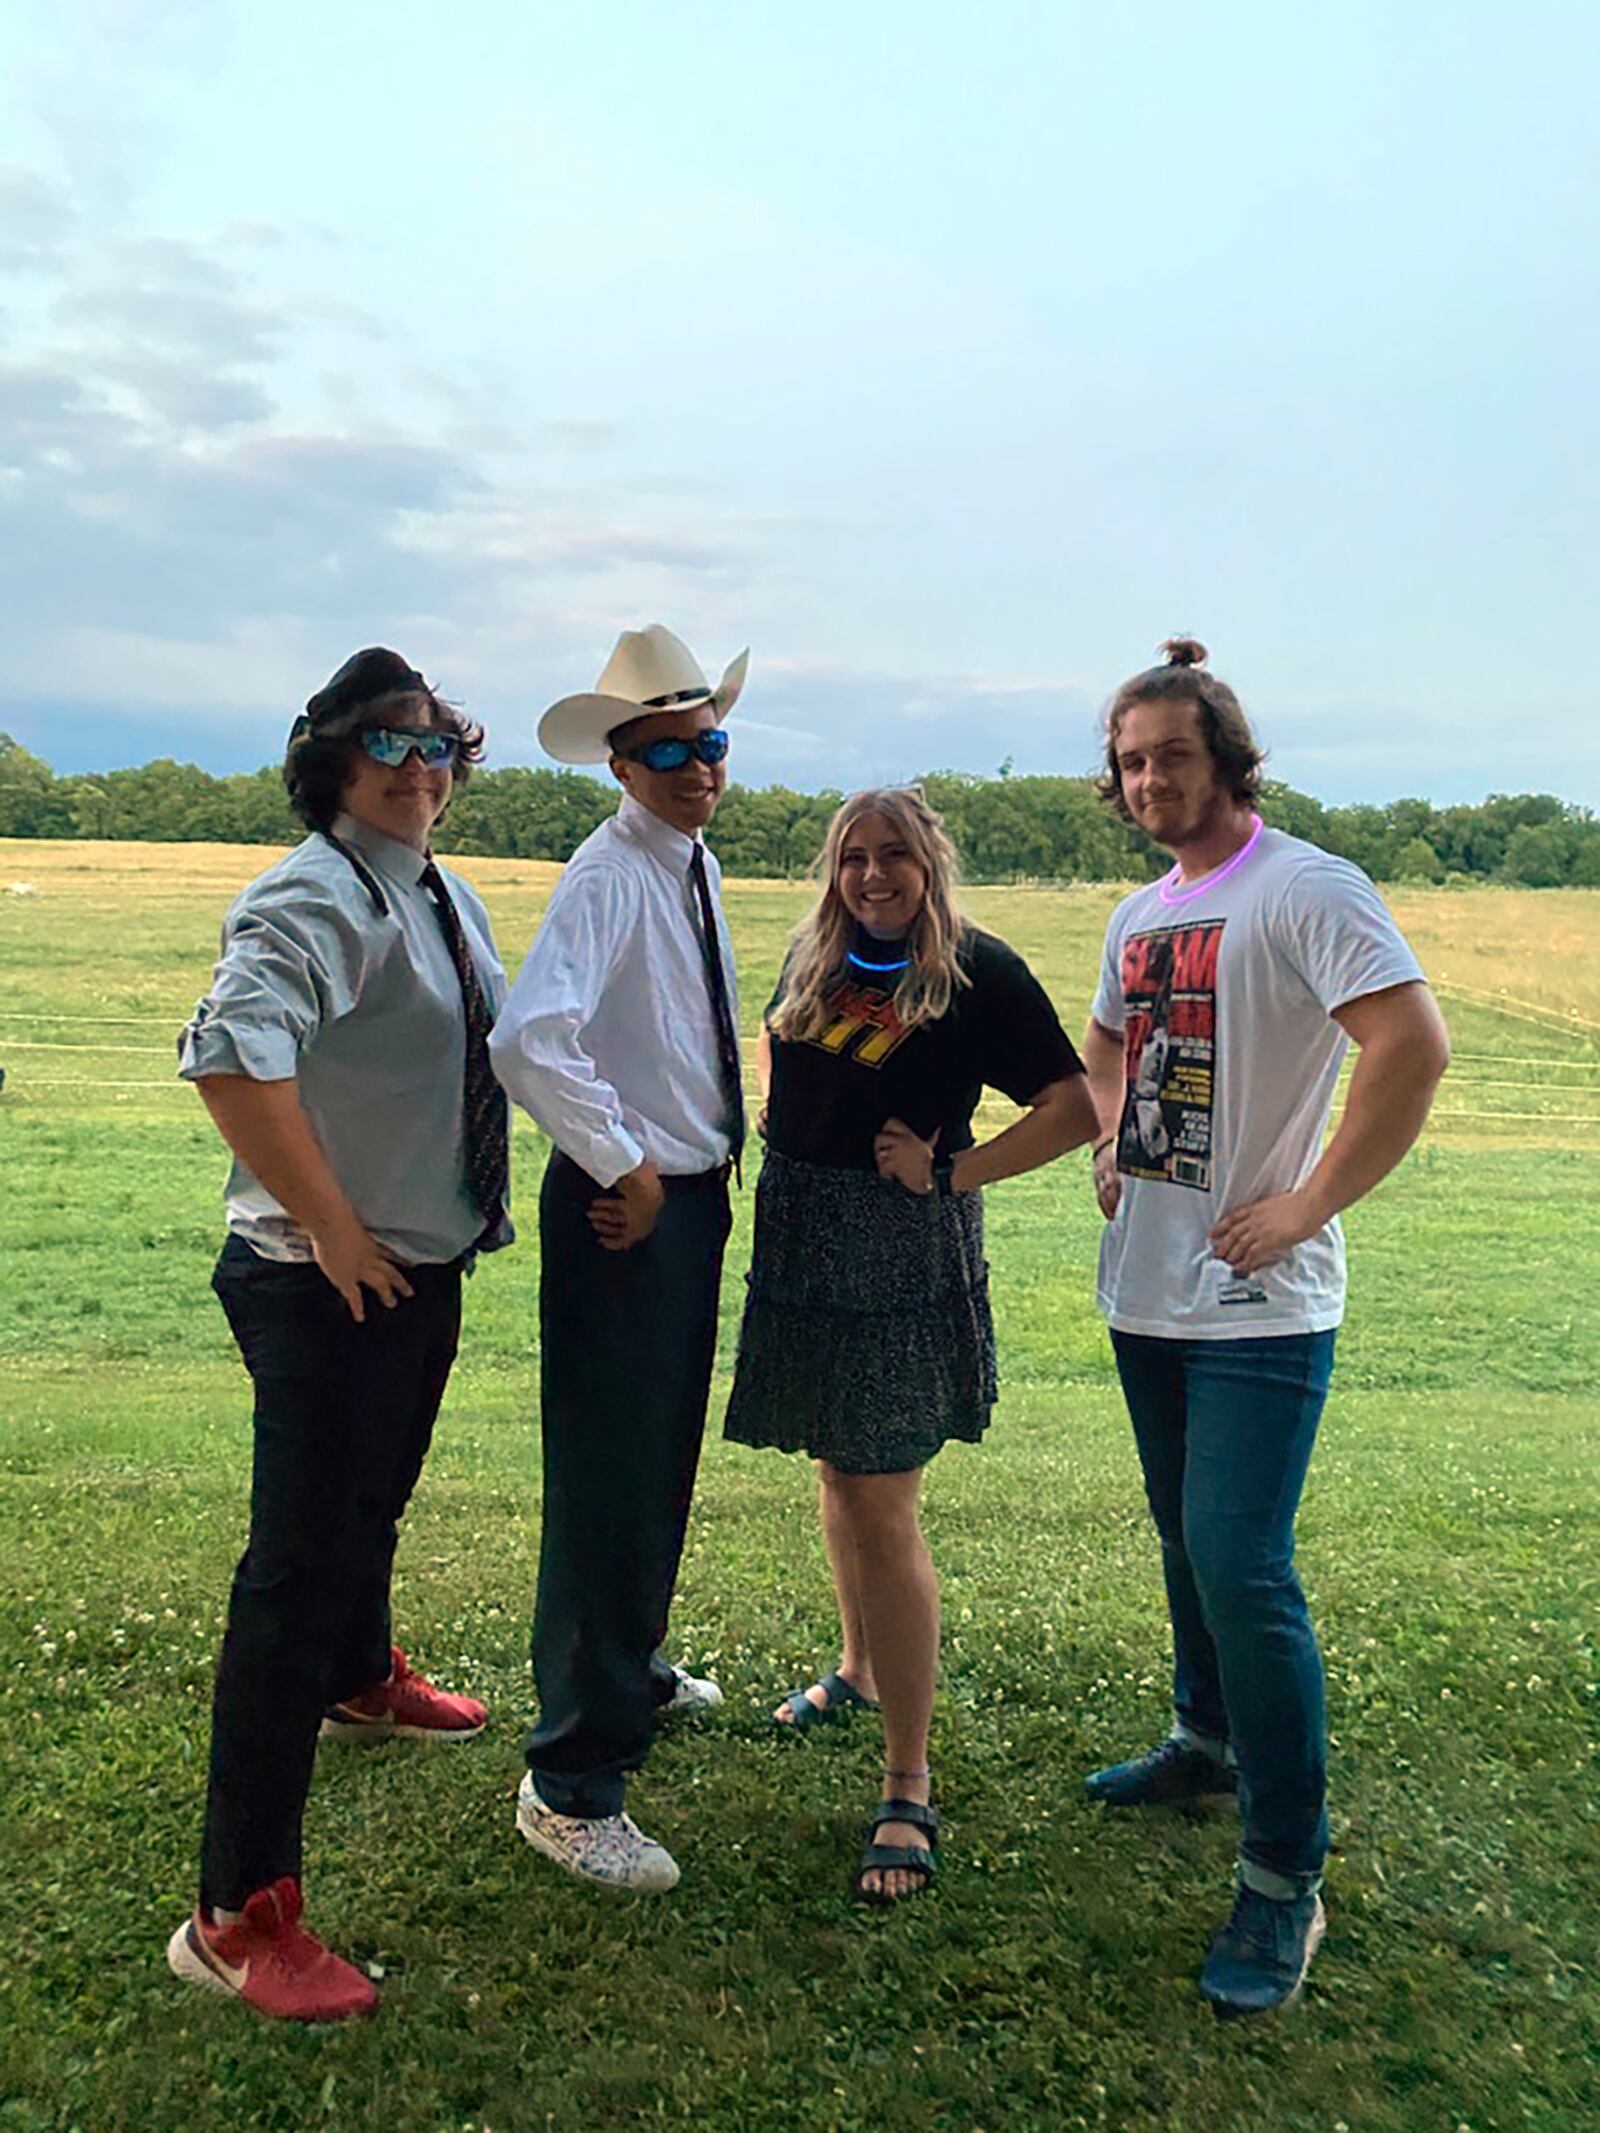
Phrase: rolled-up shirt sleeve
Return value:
(538, 1044)
(289, 964)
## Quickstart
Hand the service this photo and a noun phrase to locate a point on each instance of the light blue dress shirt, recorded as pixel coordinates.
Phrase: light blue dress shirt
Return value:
(363, 1009)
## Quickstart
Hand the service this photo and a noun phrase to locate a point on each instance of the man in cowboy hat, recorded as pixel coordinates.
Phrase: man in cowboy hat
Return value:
(620, 1039)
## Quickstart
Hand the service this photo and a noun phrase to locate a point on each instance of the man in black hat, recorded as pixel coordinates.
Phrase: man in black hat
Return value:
(342, 1052)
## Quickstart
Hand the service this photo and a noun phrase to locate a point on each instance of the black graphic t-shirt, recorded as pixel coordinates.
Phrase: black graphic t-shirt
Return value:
(1169, 983)
(832, 1093)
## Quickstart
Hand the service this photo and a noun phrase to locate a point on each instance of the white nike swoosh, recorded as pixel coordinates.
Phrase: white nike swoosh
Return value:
(236, 1975)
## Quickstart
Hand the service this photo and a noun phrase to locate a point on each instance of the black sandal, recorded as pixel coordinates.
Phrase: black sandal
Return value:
(842, 1695)
(911, 1858)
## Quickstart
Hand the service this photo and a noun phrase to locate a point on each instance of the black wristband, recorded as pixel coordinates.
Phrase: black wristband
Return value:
(1104, 1142)
(944, 1181)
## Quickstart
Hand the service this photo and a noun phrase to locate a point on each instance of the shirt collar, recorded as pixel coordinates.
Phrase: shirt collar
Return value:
(669, 845)
(401, 862)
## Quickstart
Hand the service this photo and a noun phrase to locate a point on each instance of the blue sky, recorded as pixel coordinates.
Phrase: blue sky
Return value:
(949, 358)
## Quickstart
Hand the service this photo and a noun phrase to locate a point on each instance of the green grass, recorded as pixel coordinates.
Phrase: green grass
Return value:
(1449, 1539)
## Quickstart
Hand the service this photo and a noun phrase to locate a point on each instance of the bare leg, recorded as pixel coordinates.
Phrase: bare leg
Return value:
(898, 1596)
(855, 1660)
(855, 1663)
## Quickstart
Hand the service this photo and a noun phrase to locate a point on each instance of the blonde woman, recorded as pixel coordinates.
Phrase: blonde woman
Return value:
(867, 1339)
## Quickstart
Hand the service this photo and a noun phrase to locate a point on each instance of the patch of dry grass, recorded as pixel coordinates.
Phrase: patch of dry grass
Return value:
(129, 930)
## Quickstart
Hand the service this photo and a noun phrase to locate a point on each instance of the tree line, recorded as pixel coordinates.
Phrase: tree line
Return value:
(1006, 828)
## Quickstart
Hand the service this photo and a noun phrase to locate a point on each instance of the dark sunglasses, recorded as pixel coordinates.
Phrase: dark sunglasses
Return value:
(390, 745)
(672, 755)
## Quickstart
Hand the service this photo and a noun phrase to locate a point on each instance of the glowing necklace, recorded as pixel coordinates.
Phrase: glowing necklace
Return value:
(870, 963)
(1167, 887)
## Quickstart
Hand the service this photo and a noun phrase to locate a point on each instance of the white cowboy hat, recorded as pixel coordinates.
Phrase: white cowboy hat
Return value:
(650, 670)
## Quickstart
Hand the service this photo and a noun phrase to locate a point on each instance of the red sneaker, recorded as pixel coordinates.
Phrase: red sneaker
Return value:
(268, 1960)
(406, 1704)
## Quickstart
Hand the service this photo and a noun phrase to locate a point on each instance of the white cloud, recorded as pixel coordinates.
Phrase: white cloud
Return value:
(36, 219)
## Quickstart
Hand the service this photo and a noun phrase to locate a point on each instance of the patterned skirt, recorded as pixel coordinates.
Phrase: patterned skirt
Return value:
(867, 1339)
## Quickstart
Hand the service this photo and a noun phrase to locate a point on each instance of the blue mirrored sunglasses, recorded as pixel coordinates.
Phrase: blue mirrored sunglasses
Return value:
(391, 745)
(672, 755)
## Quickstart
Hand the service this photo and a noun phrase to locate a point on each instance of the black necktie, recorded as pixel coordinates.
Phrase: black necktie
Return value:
(728, 1062)
(484, 1112)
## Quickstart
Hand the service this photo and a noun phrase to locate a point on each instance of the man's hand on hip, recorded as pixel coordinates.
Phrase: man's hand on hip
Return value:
(1107, 1178)
(627, 1214)
(353, 1260)
(1258, 1236)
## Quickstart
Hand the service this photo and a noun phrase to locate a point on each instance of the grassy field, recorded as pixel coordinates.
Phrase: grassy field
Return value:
(1449, 1539)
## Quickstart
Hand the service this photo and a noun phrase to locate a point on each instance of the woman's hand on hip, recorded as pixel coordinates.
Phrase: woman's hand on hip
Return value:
(902, 1155)
(353, 1260)
(1107, 1178)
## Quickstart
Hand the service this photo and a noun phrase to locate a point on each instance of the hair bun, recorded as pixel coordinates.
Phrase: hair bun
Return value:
(1184, 652)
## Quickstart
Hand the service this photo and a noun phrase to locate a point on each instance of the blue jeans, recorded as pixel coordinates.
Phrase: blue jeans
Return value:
(1225, 1430)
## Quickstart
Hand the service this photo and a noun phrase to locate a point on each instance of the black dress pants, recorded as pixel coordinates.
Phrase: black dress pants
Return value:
(343, 1417)
(627, 1341)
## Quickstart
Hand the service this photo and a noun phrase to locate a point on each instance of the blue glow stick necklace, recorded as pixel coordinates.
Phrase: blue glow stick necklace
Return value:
(877, 969)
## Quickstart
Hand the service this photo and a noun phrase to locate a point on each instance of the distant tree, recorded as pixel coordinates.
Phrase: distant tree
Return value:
(1560, 854)
(1361, 833)
(1042, 828)
(89, 805)
(1006, 827)
(520, 813)
(169, 802)
(258, 808)
(1413, 818)
(1416, 860)
(32, 803)
(1294, 812)
(770, 830)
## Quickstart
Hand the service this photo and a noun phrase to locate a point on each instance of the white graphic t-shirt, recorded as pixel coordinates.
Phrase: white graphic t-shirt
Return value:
(1223, 992)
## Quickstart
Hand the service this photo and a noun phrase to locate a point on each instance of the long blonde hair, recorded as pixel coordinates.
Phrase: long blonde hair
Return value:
(818, 944)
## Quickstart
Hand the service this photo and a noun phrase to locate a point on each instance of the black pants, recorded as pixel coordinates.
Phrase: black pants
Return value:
(343, 1417)
(627, 1341)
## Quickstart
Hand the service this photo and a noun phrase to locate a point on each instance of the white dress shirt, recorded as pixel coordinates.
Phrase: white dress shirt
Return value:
(608, 1038)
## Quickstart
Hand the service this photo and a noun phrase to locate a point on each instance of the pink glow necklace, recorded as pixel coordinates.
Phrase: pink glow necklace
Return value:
(1167, 886)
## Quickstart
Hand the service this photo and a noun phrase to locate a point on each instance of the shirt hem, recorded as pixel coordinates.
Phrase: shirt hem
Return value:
(1166, 1329)
(292, 1247)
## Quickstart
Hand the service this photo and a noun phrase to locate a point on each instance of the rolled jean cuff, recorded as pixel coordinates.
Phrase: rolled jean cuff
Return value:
(1282, 1888)
(582, 1799)
(1207, 1743)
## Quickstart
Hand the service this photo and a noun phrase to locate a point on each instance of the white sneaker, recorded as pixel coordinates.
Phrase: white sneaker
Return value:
(691, 1695)
(611, 1850)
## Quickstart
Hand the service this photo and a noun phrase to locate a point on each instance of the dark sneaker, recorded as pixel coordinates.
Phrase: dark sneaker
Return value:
(1258, 1962)
(1173, 1771)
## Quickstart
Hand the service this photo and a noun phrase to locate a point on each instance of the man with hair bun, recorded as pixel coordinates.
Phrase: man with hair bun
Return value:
(1229, 992)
